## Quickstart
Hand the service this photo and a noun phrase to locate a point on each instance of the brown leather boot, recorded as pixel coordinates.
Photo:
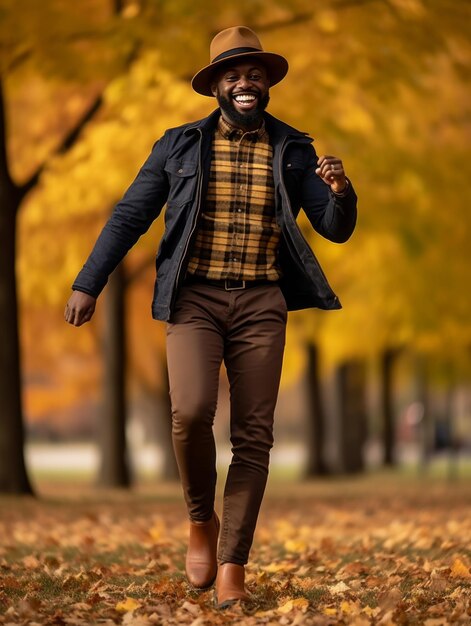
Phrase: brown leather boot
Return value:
(201, 557)
(230, 585)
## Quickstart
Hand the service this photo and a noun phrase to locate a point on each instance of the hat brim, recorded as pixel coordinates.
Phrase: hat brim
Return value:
(276, 65)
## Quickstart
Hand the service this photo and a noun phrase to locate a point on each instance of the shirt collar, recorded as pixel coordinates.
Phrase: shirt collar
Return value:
(235, 134)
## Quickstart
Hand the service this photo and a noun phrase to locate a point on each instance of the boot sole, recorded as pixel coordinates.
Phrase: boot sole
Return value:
(228, 603)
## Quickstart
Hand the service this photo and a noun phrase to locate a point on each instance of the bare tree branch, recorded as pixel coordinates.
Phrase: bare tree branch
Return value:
(5, 178)
(67, 143)
(345, 4)
(18, 59)
(74, 133)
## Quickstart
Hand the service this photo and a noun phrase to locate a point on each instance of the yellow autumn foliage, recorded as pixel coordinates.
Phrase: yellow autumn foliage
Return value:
(392, 101)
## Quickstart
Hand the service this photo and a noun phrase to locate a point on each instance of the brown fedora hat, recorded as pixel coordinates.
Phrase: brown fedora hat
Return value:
(236, 43)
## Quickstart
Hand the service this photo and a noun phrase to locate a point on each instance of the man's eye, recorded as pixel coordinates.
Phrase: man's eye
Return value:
(255, 77)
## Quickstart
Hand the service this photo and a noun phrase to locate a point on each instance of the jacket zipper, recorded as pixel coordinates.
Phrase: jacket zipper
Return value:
(195, 220)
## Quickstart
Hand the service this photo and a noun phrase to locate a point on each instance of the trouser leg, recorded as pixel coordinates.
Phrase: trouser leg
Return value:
(253, 357)
(194, 354)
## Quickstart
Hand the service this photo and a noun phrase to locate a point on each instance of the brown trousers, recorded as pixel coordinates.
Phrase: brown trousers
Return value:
(246, 330)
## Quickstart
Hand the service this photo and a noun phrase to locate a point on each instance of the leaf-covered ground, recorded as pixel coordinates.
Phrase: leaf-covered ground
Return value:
(364, 551)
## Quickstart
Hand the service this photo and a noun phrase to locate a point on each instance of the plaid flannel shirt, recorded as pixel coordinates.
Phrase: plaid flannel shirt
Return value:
(238, 235)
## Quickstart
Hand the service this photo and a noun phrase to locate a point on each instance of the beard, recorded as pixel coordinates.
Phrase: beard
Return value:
(243, 120)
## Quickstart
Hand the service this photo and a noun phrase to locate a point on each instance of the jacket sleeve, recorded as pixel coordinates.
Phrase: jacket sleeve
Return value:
(131, 218)
(332, 216)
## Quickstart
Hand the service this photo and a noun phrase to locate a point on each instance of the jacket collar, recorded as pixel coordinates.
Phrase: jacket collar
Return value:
(206, 124)
(276, 129)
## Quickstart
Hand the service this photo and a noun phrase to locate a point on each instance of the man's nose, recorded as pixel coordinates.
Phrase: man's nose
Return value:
(243, 82)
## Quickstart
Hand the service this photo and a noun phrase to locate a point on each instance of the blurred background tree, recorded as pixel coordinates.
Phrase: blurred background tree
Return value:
(88, 88)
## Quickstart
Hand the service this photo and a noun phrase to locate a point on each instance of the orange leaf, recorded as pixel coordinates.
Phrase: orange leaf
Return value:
(460, 570)
(31, 562)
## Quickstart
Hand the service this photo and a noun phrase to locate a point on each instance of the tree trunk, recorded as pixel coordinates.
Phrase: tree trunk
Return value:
(427, 423)
(13, 475)
(351, 382)
(387, 404)
(316, 416)
(114, 469)
(453, 448)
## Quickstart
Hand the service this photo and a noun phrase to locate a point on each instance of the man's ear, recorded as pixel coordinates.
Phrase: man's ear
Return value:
(214, 89)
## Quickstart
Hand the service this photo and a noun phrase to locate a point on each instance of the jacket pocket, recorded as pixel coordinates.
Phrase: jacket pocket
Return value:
(182, 176)
(293, 175)
(293, 168)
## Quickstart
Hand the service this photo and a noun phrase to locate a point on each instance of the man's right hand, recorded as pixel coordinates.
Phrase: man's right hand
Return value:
(80, 308)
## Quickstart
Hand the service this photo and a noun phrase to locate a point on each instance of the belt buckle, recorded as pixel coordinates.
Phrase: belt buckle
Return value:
(230, 280)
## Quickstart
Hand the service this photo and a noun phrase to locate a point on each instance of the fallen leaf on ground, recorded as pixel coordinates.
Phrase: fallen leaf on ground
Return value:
(297, 603)
(340, 587)
(375, 555)
(460, 570)
(130, 604)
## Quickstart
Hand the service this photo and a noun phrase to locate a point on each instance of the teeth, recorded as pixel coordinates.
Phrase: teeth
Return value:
(244, 98)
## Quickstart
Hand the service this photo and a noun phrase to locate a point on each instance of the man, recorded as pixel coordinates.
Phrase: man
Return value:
(231, 262)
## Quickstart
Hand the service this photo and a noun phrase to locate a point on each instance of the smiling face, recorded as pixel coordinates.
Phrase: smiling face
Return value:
(242, 92)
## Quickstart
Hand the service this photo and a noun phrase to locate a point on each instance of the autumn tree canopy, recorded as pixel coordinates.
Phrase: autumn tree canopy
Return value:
(382, 84)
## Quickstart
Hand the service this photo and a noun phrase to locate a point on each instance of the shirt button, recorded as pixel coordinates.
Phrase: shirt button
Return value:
(239, 210)
(288, 165)
(180, 171)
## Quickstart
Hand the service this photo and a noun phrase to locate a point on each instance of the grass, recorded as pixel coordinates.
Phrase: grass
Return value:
(436, 473)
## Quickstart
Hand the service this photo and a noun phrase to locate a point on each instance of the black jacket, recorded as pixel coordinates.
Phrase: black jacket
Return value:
(176, 173)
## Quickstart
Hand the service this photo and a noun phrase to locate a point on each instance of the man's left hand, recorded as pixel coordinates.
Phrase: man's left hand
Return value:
(330, 169)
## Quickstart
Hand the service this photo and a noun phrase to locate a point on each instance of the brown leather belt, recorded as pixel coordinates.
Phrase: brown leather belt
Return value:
(228, 284)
